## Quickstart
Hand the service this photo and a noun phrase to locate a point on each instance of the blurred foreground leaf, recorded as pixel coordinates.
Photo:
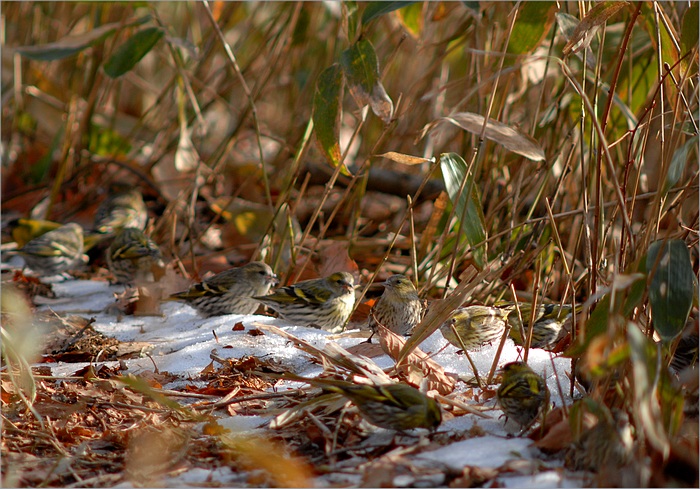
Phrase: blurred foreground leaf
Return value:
(646, 404)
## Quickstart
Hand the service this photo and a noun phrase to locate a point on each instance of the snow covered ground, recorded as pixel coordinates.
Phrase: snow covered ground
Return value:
(182, 342)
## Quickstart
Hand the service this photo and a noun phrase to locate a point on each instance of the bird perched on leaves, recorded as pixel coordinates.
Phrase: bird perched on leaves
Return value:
(399, 308)
(475, 325)
(55, 252)
(523, 395)
(398, 407)
(325, 303)
(123, 208)
(230, 291)
(548, 325)
(132, 256)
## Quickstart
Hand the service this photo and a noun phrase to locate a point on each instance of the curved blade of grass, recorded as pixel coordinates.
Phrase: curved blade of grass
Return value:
(469, 209)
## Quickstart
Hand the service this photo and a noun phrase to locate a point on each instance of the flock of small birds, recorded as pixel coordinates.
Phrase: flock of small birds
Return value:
(327, 303)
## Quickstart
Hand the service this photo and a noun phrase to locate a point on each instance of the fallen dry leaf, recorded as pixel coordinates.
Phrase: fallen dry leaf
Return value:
(417, 365)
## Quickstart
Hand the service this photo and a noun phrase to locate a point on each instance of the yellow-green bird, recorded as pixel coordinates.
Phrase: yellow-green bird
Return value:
(56, 251)
(123, 208)
(609, 444)
(132, 257)
(399, 308)
(523, 395)
(231, 291)
(548, 327)
(398, 406)
(475, 325)
(324, 303)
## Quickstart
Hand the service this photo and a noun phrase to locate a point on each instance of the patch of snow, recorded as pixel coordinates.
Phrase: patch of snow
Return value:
(542, 480)
(485, 451)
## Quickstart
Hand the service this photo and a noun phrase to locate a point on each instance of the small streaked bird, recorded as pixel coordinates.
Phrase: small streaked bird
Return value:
(24, 230)
(608, 445)
(399, 308)
(123, 208)
(56, 251)
(549, 323)
(523, 394)
(324, 303)
(475, 325)
(398, 406)
(133, 256)
(230, 291)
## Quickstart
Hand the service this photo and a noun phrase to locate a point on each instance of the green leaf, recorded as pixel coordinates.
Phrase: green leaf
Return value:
(411, 18)
(377, 9)
(326, 112)
(71, 45)
(689, 29)
(361, 69)
(132, 51)
(454, 171)
(671, 286)
(675, 169)
(534, 21)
